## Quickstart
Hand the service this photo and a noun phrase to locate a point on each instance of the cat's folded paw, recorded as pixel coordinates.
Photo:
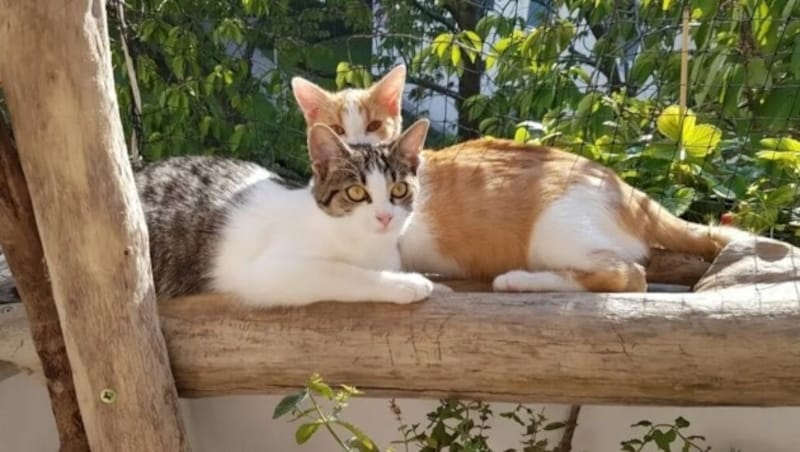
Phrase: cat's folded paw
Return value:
(408, 287)
(512, 281)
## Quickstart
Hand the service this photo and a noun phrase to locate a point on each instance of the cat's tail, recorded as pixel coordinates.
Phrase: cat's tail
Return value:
(662, 228)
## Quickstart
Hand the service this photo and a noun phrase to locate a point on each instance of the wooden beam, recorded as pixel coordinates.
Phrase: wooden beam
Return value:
(59, 85)
(22, 248)
(722, 348)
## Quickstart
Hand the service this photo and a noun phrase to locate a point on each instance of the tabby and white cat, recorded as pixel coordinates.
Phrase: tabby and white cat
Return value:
(531, 218)
(232, 226)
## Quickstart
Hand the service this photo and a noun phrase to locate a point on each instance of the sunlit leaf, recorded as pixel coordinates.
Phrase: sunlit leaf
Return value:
(306, 431)
(701, 139)
(669, 122)
(780, 144)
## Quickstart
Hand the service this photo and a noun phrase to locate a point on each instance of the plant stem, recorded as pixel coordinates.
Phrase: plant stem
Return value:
(327, 424)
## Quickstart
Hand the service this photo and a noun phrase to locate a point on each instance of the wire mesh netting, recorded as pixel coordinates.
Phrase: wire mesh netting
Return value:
(601, 78)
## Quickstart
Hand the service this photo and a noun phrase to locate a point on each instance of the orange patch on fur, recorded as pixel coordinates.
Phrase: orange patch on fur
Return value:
(483, 197)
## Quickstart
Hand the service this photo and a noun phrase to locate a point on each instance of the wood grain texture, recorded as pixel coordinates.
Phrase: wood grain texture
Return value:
(59, 86)
(720, 348)
(19, 240)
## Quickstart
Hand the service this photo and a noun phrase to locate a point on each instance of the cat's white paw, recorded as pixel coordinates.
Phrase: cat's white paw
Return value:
(512, 281)
(408, 288)
(523, 281)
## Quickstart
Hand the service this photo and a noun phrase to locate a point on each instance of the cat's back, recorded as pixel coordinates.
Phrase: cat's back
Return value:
(492, 172)
(186, 201)
(489, 193)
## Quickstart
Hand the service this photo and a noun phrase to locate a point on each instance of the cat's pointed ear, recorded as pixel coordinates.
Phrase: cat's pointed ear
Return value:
(410, 143)
(310, 97)
(388, 91)
(324, 148)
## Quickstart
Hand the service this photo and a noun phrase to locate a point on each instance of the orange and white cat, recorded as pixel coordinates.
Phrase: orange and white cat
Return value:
(531, 218)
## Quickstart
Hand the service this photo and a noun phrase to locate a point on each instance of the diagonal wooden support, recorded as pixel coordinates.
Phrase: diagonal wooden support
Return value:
(23, 251)
(59, 85)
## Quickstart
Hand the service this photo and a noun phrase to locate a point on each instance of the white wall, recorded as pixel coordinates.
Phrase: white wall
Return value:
(244, 424)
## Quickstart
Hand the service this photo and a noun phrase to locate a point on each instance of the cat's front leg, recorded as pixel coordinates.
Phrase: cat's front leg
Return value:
(280, 282)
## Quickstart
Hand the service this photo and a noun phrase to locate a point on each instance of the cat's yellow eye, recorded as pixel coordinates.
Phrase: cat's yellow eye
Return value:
(356, 193)
(373, 126)
(399, 189)
(338, 129)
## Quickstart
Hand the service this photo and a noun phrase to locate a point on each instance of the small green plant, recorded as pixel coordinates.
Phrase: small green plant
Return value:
(459, 426)
(664, 437)
(315, 417)
(456, 425)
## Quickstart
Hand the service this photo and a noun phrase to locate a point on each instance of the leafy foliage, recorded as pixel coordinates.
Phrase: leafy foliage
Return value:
(457, 426)
(315, 417)
(664, 437)
(600, 78)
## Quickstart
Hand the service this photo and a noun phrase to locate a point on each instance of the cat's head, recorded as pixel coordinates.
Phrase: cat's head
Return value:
(371, 186)
(359, 116)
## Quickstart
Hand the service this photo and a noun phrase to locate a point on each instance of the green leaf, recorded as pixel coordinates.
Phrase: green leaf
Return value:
(306, 431)
(661, 151)
(780, 144)
(441, 43)
(363, 440)
(643, 67)
(762, 22)
(781, 156)
(554, 426)
(178, 65)
(288, 403)
(680, 422)
(318, 386)
(455, 56)
(703, 8)
(588, 105)
(666, 5)
(757, 74)
(663, 440)
(733, 86)
(522, 135)
(474, 40)
(205, 125)
(700, 140)
(642, 423)
(782, 196)
(679, 201)
(670, 120)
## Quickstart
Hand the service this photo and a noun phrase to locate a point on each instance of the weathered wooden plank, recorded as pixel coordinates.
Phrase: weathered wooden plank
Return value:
(720, 348)
(59, 85)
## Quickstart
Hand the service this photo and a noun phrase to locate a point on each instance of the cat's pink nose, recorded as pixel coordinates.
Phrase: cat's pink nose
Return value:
(384, 218)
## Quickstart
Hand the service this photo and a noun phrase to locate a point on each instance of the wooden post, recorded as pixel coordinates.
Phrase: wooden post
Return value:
(23, 251)
(59, 84)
